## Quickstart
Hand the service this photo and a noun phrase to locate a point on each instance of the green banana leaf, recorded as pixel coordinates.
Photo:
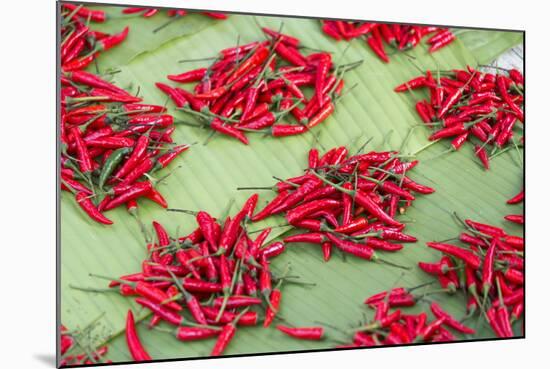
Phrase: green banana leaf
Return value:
(145, 35)
(209, 175)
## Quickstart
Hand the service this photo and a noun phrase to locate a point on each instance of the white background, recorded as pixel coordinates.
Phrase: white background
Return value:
(27, 180)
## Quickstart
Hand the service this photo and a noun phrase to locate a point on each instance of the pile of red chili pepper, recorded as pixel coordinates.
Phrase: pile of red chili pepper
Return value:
(251, 88)
(149, 12)
(80, 45)
(398, 328)
(516, 218)
(348, 201)
(471, 105)
(489, 267)
(219, 272)
(399, 37)
(111, 144)
(70, 343)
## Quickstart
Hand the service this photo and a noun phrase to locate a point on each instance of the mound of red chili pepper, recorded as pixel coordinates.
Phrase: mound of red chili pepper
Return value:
(80, 45)
(76, 350)
(219, 272)
(111, 144)
(399, 37)
(516, 218)
(348, 201)
(469, 105)
(252, 88)
(489, 267)
(398, 328)
(149, 12)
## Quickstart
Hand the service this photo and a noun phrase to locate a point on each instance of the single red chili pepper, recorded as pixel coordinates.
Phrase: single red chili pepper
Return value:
(137, 153)
(513, 275)
(194, 75)
(187, 334)
(158, 309)
(326, 248)
(311, 237)
(134, 191)
(415, 83)
(323, 67)
(272, 250)
(321, 115)
(88, 206)
(80, 63)
(272, 309)
(109, 42)
(169, 156)
(514, 241)
(438, 312)
(289, 40)
(237, 302)
(283, 130)
(302, 211)
(488, 268)
(515, 218)
(290, 54)
(441, 42)
(175, 95)
(85, 162)
(486, 229)
(378, 49)
(303, 333)
(266, 211)
(356, 249)
(257, 58)
(517, 198)
(226, 335)
(465, 255)
(481, 153)
(135, 347)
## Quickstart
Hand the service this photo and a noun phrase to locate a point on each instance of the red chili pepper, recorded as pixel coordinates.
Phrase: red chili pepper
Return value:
(481, 153)
(88, 206)
(321, 115)
(158, 309)
(378, 49)
(413, 84)
(465, 255)
(303, 333)
(486, 229)
(515, 218)
(441, 42)
(194, 75)
(134, 191)
(274, 302)
(286, 39)
(438, 312)
(226, 335)
(187, 334)
(111, 41)
(135, 347)
(359, 250)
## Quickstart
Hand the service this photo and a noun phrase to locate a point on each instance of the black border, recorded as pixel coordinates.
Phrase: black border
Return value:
(58, 4)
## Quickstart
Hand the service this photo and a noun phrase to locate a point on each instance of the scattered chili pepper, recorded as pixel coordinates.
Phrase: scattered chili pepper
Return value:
(113, 144)
(135, 347)
(303, 333)
(463, 108)
(236, 94)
